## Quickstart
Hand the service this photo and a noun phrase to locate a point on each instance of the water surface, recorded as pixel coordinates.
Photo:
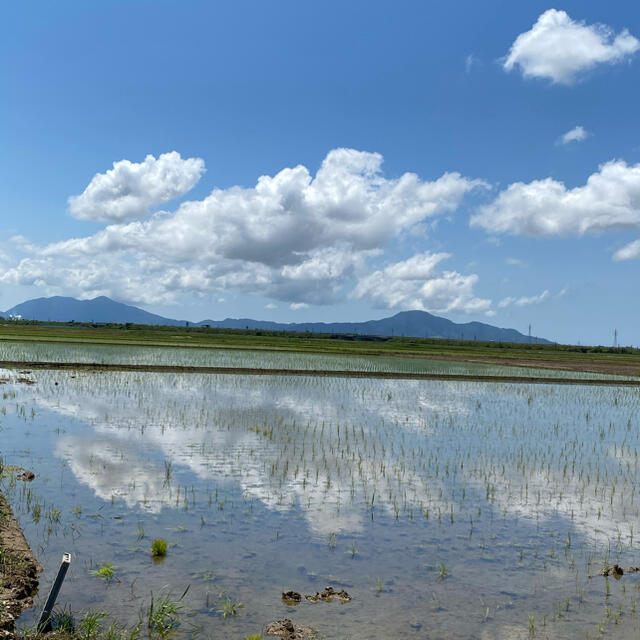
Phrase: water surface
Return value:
(421, 498)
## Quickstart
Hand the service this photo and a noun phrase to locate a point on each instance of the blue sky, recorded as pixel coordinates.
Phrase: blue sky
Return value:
(332, 161)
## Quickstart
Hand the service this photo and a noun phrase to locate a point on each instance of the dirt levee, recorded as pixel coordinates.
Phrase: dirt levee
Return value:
(18, 571)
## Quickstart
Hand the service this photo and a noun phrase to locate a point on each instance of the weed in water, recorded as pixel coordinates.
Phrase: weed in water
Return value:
(164, 615)
(106, 572)
(63, 621)
(159, 548)
(168, 470)
(89, 626)
(331, 540)
(230, 608)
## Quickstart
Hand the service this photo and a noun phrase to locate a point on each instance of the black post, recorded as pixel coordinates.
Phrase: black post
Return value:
(45, 617)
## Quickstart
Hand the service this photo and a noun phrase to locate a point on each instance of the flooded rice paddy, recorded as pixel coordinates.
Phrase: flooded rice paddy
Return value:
(267, 359)
(445, 509)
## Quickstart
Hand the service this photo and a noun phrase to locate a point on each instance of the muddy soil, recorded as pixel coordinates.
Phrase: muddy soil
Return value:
(617, 571)
(287, 630)
(18, 572)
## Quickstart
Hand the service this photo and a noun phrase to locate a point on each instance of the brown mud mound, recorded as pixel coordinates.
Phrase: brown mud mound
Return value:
(291, 597)
(287, 630)
(328, 595)
(18, 571)
(24, 474)
(617, 571)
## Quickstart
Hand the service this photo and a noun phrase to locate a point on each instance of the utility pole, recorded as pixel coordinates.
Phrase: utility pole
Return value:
(529, 332)
(615, 337)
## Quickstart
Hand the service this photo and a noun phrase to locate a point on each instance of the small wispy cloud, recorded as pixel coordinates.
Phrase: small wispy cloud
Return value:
(577, 134)
(524, 300)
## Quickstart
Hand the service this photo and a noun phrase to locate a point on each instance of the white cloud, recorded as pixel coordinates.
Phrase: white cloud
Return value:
(271, 305)
(630, 251)
(609, 200)
(129, 189)
(524, 300)
(516, 262)
(560, 48)
(577, 134)
(293, 237)
(414, 284)
(296, 306)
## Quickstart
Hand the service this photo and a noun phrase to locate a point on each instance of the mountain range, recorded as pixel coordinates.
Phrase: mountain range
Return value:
(406, 323)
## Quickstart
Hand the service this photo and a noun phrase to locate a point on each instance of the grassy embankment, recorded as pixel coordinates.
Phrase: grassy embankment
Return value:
(596, 359)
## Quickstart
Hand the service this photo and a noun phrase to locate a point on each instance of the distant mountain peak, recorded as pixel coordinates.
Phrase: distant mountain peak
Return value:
(412, 323)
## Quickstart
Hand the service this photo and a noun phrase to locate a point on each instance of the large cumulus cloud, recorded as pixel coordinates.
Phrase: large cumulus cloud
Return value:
(292, 237)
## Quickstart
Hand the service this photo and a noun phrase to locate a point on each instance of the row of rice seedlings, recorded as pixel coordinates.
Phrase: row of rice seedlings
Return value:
(193, 356)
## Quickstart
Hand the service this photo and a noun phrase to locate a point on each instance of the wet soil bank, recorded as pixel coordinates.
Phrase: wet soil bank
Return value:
(325, 373)
(18, 572)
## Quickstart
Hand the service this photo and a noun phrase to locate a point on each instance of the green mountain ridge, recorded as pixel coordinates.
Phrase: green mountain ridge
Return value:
(419, 324)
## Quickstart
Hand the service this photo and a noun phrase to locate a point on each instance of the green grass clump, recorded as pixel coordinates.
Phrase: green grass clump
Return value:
(230, 608)
(106, 572)
(163, 618)
(159, 548)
